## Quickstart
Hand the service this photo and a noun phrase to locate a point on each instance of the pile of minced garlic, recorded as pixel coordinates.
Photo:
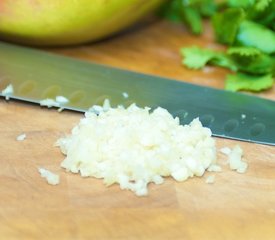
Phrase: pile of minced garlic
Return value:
(135, 146)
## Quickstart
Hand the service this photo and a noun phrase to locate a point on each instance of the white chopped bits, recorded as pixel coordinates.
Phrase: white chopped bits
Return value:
(62, 100)
(59, 101)
(106, 105)
(21, 137)
(214, 168)
(52, 179)
(180, 174)
(210, 179)
(7, 92)
(48, 102)
(125, 94)
(134, 146)
(225, 150)
(235, 160)
(243, 167)
(94, 109)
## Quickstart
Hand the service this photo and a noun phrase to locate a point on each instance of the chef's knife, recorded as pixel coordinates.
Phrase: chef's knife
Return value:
(36, 75)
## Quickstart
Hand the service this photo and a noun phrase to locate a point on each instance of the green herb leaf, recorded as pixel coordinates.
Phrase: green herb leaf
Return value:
(208, 8)
(192, 18)
(261, 64)
(268, 20)
(226, 24)
(262, 12)
(171, 10)
(255, 35)
(196, 58)
(251, 60)
(222, 60)
(241, 81)
(262, 4)
(244, 51)
(240, 3)
(189, 11)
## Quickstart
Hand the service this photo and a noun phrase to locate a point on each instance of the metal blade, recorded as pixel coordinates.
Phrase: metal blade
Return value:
(37, 75)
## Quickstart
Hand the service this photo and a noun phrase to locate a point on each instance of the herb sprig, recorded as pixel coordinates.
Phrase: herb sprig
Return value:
(245, 26)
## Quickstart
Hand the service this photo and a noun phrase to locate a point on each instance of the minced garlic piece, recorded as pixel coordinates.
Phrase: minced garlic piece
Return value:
(210, 179)
(8, 91)
(235, 160)
(21, 137)
(51, 178)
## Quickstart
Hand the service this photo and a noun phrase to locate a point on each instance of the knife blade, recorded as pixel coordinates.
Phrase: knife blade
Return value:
(36, 75)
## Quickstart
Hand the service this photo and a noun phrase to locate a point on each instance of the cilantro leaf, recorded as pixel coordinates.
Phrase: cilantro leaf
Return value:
(208, 8)
(262, 12)
(240, 3)
(259, 64)
(222, 60)
(262, 4)
(268, 20)
(245, 59)
(244, 51)
(254, 83)
(225, 29)
(171, 11)
(255, 35)
(190, 12)
(196, 58)
(251, 60)
(192, 18)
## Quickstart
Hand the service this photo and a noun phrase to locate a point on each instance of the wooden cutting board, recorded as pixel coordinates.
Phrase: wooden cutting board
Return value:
(236, 206)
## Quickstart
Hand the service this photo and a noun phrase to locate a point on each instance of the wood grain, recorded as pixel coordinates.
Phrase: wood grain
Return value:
(236, 206)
